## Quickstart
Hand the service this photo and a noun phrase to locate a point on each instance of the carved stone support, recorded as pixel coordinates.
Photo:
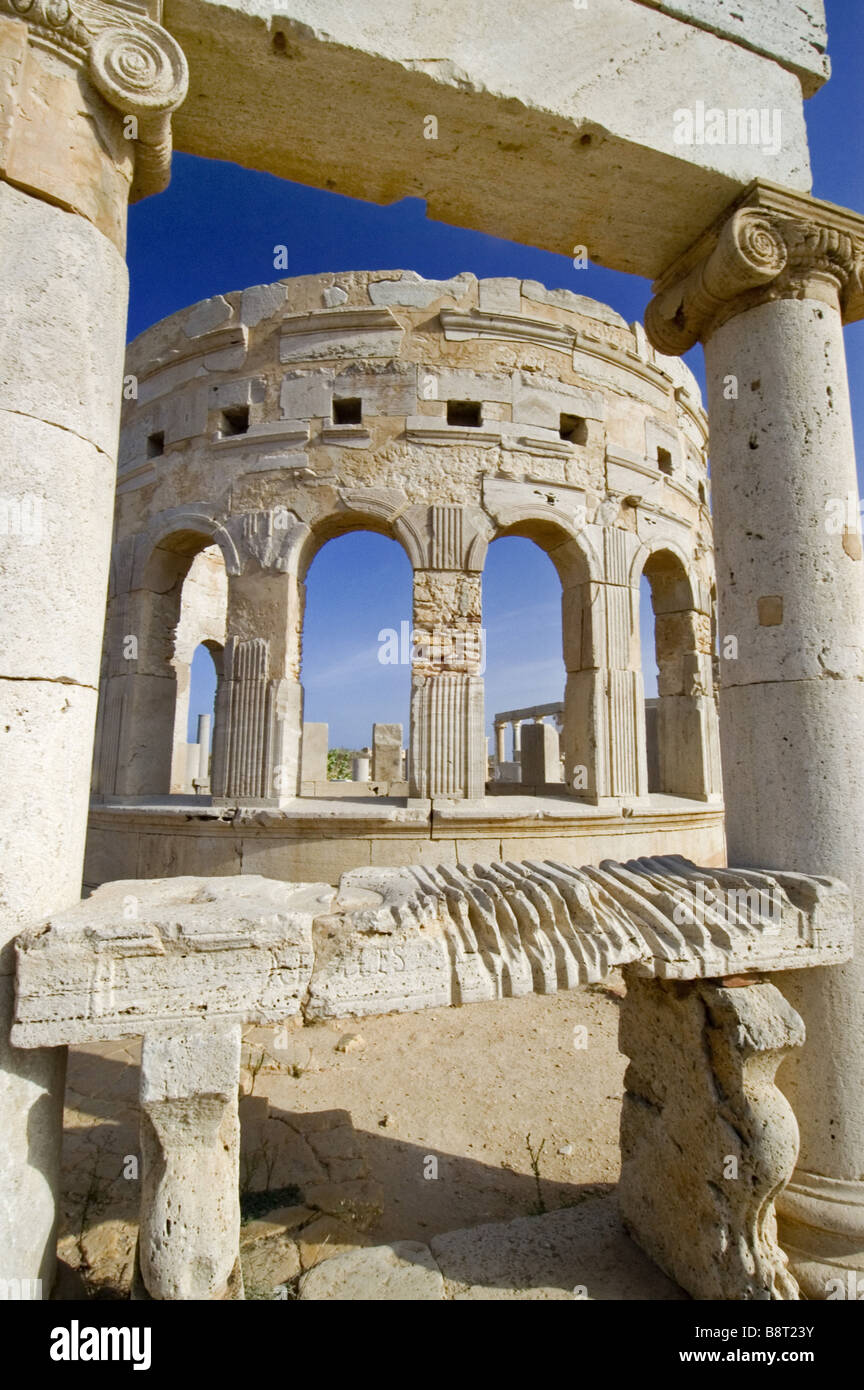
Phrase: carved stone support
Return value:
(189, 1231)
(447, 744)
(766, 289)
(707, 1139)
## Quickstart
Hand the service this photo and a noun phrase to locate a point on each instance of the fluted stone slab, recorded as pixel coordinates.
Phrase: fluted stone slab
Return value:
(145, 953)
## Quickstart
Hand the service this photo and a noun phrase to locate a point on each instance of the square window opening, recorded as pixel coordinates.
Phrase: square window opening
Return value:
(664, 461)
(467, 414)
(348, 411)
(574, 428)
(234, 421)
(156, 444)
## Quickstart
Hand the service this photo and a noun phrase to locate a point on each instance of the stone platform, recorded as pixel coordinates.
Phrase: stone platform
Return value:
(318, 839)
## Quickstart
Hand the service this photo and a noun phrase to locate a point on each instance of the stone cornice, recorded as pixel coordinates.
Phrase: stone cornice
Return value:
(133, 63)
(770, 244)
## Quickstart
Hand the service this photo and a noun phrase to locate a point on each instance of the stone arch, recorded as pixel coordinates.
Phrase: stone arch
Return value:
(681, 728)
(181, 531)
(137, 736)
(577, 565)
(338, 610)
(360, 517)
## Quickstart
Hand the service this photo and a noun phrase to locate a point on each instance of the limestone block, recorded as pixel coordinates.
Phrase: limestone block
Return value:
(404, 1271)
(540, 400)
(261, 302)
(342, 332)
(189, 1231)
(210, 314)
(388, 389)
(501, 296)
(169, 950)
(426, 935)
(463, 385)
(642, 197)
(56, 504)
(411, 289)
(314, 756)
(541, 755)
(707, 1139)
(508, 772)
(306, 395)
(566, 299)
(386, 752)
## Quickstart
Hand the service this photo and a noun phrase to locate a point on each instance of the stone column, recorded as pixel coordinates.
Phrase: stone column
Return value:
(501, 743)
(259, 715)
(517, 740)
(447, 742)
(604, 725)
(189, 1230)
(687, 738)
(766, 290)
(204, 747)
(86, 98)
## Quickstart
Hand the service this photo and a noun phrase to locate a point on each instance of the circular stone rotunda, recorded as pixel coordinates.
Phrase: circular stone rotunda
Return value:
(443, 414)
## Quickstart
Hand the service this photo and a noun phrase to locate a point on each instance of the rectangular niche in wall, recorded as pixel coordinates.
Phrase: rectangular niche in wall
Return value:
(574, 428)
(155, 444)
(465, 414)
(233, 421)
(348, 410)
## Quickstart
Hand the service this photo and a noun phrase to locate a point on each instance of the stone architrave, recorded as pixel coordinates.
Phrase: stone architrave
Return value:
(767, 289)
(72, 76)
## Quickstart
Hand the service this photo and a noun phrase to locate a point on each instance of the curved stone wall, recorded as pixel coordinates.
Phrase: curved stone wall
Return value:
(443, 414)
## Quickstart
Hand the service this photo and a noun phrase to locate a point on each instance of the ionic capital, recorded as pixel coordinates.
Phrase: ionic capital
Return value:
(771, 244)
(131, 61)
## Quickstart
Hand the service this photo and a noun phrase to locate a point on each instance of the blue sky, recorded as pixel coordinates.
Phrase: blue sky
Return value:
(220, 224)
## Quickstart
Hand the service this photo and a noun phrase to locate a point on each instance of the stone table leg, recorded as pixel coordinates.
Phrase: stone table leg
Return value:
(189, 1235)
(707, 1139)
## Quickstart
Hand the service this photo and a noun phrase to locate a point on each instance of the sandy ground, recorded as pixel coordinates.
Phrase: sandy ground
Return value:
(372, 1130)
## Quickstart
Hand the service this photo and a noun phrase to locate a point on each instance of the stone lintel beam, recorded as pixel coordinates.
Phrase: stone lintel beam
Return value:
(148, 955)
(770, 244)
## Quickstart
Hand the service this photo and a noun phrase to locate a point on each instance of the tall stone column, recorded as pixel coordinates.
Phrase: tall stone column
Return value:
(86, 95)
(766, 289)
(501, 742)
(447, 743)
(259, 710)
(605, 757)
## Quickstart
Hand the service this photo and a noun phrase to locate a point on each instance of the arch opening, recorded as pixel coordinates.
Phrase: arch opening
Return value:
(525, 665)
(356, 664)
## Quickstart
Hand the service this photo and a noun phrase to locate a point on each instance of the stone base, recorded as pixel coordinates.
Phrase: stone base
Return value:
(320, 840)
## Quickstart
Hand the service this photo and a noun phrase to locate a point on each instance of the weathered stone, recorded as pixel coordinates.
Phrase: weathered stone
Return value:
(404, 1271)
(703, 1120)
